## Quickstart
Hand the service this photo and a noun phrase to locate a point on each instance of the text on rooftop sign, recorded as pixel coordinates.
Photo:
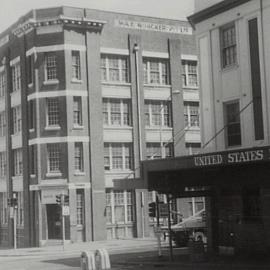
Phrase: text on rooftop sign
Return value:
(149, 26)
(230, 158)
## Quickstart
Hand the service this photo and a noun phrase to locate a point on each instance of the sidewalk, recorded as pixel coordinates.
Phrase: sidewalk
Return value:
(113, 246)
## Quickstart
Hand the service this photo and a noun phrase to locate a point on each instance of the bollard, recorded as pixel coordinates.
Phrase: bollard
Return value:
(102, 260)
(88, 261)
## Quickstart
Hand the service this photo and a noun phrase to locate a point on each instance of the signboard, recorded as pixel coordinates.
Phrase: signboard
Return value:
(242, 156)
(150, 26)
(48, 196)
(163, 210)
(65, 210)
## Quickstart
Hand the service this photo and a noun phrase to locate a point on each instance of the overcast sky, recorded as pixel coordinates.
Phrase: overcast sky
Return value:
(11, 10)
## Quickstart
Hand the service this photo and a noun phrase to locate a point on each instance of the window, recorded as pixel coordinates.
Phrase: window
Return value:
(16, 77)
(2, 124)
(114, 68)
(119, 207)
(20, 211)
(118, 156)
(17, 162)
(76, 65)
(158, 113)
(3, 208)
(80, 206)
(30, 69)
(32, 157)
(233, 126)
(252, 206)
(50, 67)
(31, 117)
(228, 45)
(3, 83)
(16, 119)
(3, 164)
(116, 112)
(77, 111)
(193, 148)
(78, 156)
(52, 112)
(189, 73)
(191, 114)
(156, 71)
(53, 161)
(154, 151)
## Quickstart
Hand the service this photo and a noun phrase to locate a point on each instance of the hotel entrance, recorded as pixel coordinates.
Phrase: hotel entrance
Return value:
(54, 221)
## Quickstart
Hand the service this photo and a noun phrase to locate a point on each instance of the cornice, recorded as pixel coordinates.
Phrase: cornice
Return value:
(83, 22)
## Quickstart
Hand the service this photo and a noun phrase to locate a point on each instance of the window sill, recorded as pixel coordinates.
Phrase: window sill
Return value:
(32, 176)
(187, 87)
(116, 83)
(78, 127)
(116, 127)
(31, 130)
(189, 128)
(52, 128)
(73, 80)
(79, 173)
(53, 174)
(119, 171)
(229, 68)
(51, 82)
(158, 128)
(157, 85)
(30, 85)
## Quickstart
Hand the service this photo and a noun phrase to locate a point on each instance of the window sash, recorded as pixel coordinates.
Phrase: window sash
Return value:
(157, 113)
(50, 67)
(3, 83)
(114, 68)
(80, 207)
(16, 77)
(189, 73)
(76, 65)
(18, 162)
(191, 114)
(228, 43)
(53, 112)
(116, 112)
(78, 156)
(156, 71)
(118, 156)
(233, 125)
(54, 156)
(77, 111)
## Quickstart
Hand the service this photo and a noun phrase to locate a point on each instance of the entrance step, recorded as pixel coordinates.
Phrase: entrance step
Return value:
(54, 242)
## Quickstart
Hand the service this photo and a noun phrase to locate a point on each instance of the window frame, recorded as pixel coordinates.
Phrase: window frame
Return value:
(78, 157)
(49, 113)
(3, 83)
(125, 157)
(226, 48)
(50, 69)
(16, 119)
(17, 162)
(107, 105)
(77, 112)
(189, 124)
(150, 113)
(230, 103)
(16, 76)
(147, 79)
(186, 72)
(57, 163)
(76, 65)
(106, 68)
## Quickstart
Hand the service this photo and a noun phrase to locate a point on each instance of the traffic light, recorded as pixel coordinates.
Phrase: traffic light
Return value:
(58, 199)
(14, 202)
(9, 201)
(66, 199)
(152, 209)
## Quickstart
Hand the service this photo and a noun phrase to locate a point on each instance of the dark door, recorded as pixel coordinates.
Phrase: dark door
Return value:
(54, 221)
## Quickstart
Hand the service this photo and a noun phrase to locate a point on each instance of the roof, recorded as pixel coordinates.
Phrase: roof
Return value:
(214, 10)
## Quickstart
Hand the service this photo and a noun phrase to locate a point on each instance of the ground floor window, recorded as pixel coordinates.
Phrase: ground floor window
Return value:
(3, 209)
(119, 213)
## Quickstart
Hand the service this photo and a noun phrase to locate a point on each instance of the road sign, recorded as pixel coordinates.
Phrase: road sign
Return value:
(163, 210)
(65, 210)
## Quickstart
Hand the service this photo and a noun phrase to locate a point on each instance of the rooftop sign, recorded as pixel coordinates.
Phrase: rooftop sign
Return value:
(149, 26)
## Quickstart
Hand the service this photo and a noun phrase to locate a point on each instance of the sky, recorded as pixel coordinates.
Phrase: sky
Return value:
(11, 10)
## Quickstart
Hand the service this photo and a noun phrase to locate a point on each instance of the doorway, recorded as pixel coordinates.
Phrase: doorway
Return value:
(54, 221)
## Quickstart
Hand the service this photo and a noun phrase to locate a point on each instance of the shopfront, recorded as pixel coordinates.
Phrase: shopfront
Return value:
(236, 186)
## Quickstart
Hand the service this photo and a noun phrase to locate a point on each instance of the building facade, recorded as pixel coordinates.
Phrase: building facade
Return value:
(85, 95)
